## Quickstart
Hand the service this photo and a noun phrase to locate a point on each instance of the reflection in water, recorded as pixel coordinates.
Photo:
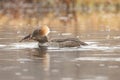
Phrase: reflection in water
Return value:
(42, 54)
(42, 51)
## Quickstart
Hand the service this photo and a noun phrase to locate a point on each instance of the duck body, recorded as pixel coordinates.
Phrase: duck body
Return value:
(66, 42)
(69, 42)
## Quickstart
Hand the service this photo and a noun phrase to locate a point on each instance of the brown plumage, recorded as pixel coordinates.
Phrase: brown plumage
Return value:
(69, 42)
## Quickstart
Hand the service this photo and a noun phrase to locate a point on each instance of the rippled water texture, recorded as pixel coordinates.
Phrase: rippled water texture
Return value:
(25, 61)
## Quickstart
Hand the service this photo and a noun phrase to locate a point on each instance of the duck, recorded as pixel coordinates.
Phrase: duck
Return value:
(41, 36)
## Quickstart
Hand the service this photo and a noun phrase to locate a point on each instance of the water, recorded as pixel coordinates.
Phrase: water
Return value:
(25, 61)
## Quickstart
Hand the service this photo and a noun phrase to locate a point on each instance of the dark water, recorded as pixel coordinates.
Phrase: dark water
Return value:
(100, 60)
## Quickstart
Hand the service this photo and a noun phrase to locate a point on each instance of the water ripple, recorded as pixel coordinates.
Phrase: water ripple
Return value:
(97, 59)
(92, 46)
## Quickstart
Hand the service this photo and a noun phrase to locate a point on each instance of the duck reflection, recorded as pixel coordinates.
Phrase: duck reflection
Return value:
(44, 56)
(41, 51)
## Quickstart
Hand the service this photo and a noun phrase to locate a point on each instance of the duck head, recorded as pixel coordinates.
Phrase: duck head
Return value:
(39, 34)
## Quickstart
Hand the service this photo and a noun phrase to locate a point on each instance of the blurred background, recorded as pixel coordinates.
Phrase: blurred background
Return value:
(96, 22)
(62, 15)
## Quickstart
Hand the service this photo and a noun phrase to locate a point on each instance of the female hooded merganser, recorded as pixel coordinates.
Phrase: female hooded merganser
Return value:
(40, 35)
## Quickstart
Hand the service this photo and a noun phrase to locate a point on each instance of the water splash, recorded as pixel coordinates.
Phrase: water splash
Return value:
(1, 46)
(23, 45)
(97, 59)
(92, 46)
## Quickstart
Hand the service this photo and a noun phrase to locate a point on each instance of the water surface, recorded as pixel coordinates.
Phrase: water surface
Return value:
(25, 61)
